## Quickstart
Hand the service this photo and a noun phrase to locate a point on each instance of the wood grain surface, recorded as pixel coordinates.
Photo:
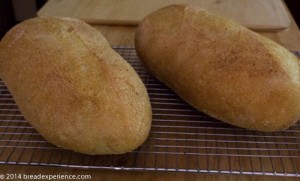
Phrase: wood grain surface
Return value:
(107, 175)
(255, 14)
(124, 35)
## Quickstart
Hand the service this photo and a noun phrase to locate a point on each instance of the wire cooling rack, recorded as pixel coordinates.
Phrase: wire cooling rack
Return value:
(181, 139)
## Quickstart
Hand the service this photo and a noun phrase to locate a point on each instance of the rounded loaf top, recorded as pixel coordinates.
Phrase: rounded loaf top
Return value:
(73, 87)
(221, 67)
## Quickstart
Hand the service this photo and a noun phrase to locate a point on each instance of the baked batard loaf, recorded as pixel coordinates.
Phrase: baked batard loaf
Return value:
(73, 87)
(221, 67)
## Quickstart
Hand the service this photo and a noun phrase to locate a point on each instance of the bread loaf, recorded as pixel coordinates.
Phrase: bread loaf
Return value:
(221, 67)
(73, 87)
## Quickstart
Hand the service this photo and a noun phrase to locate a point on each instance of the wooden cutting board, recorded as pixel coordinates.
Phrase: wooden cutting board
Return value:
(255, 14)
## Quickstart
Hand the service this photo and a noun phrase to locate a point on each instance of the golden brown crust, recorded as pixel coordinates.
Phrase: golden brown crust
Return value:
(221, 68)
(73, 88)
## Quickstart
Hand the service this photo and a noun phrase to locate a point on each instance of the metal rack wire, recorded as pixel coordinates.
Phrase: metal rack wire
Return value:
(181, 139)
